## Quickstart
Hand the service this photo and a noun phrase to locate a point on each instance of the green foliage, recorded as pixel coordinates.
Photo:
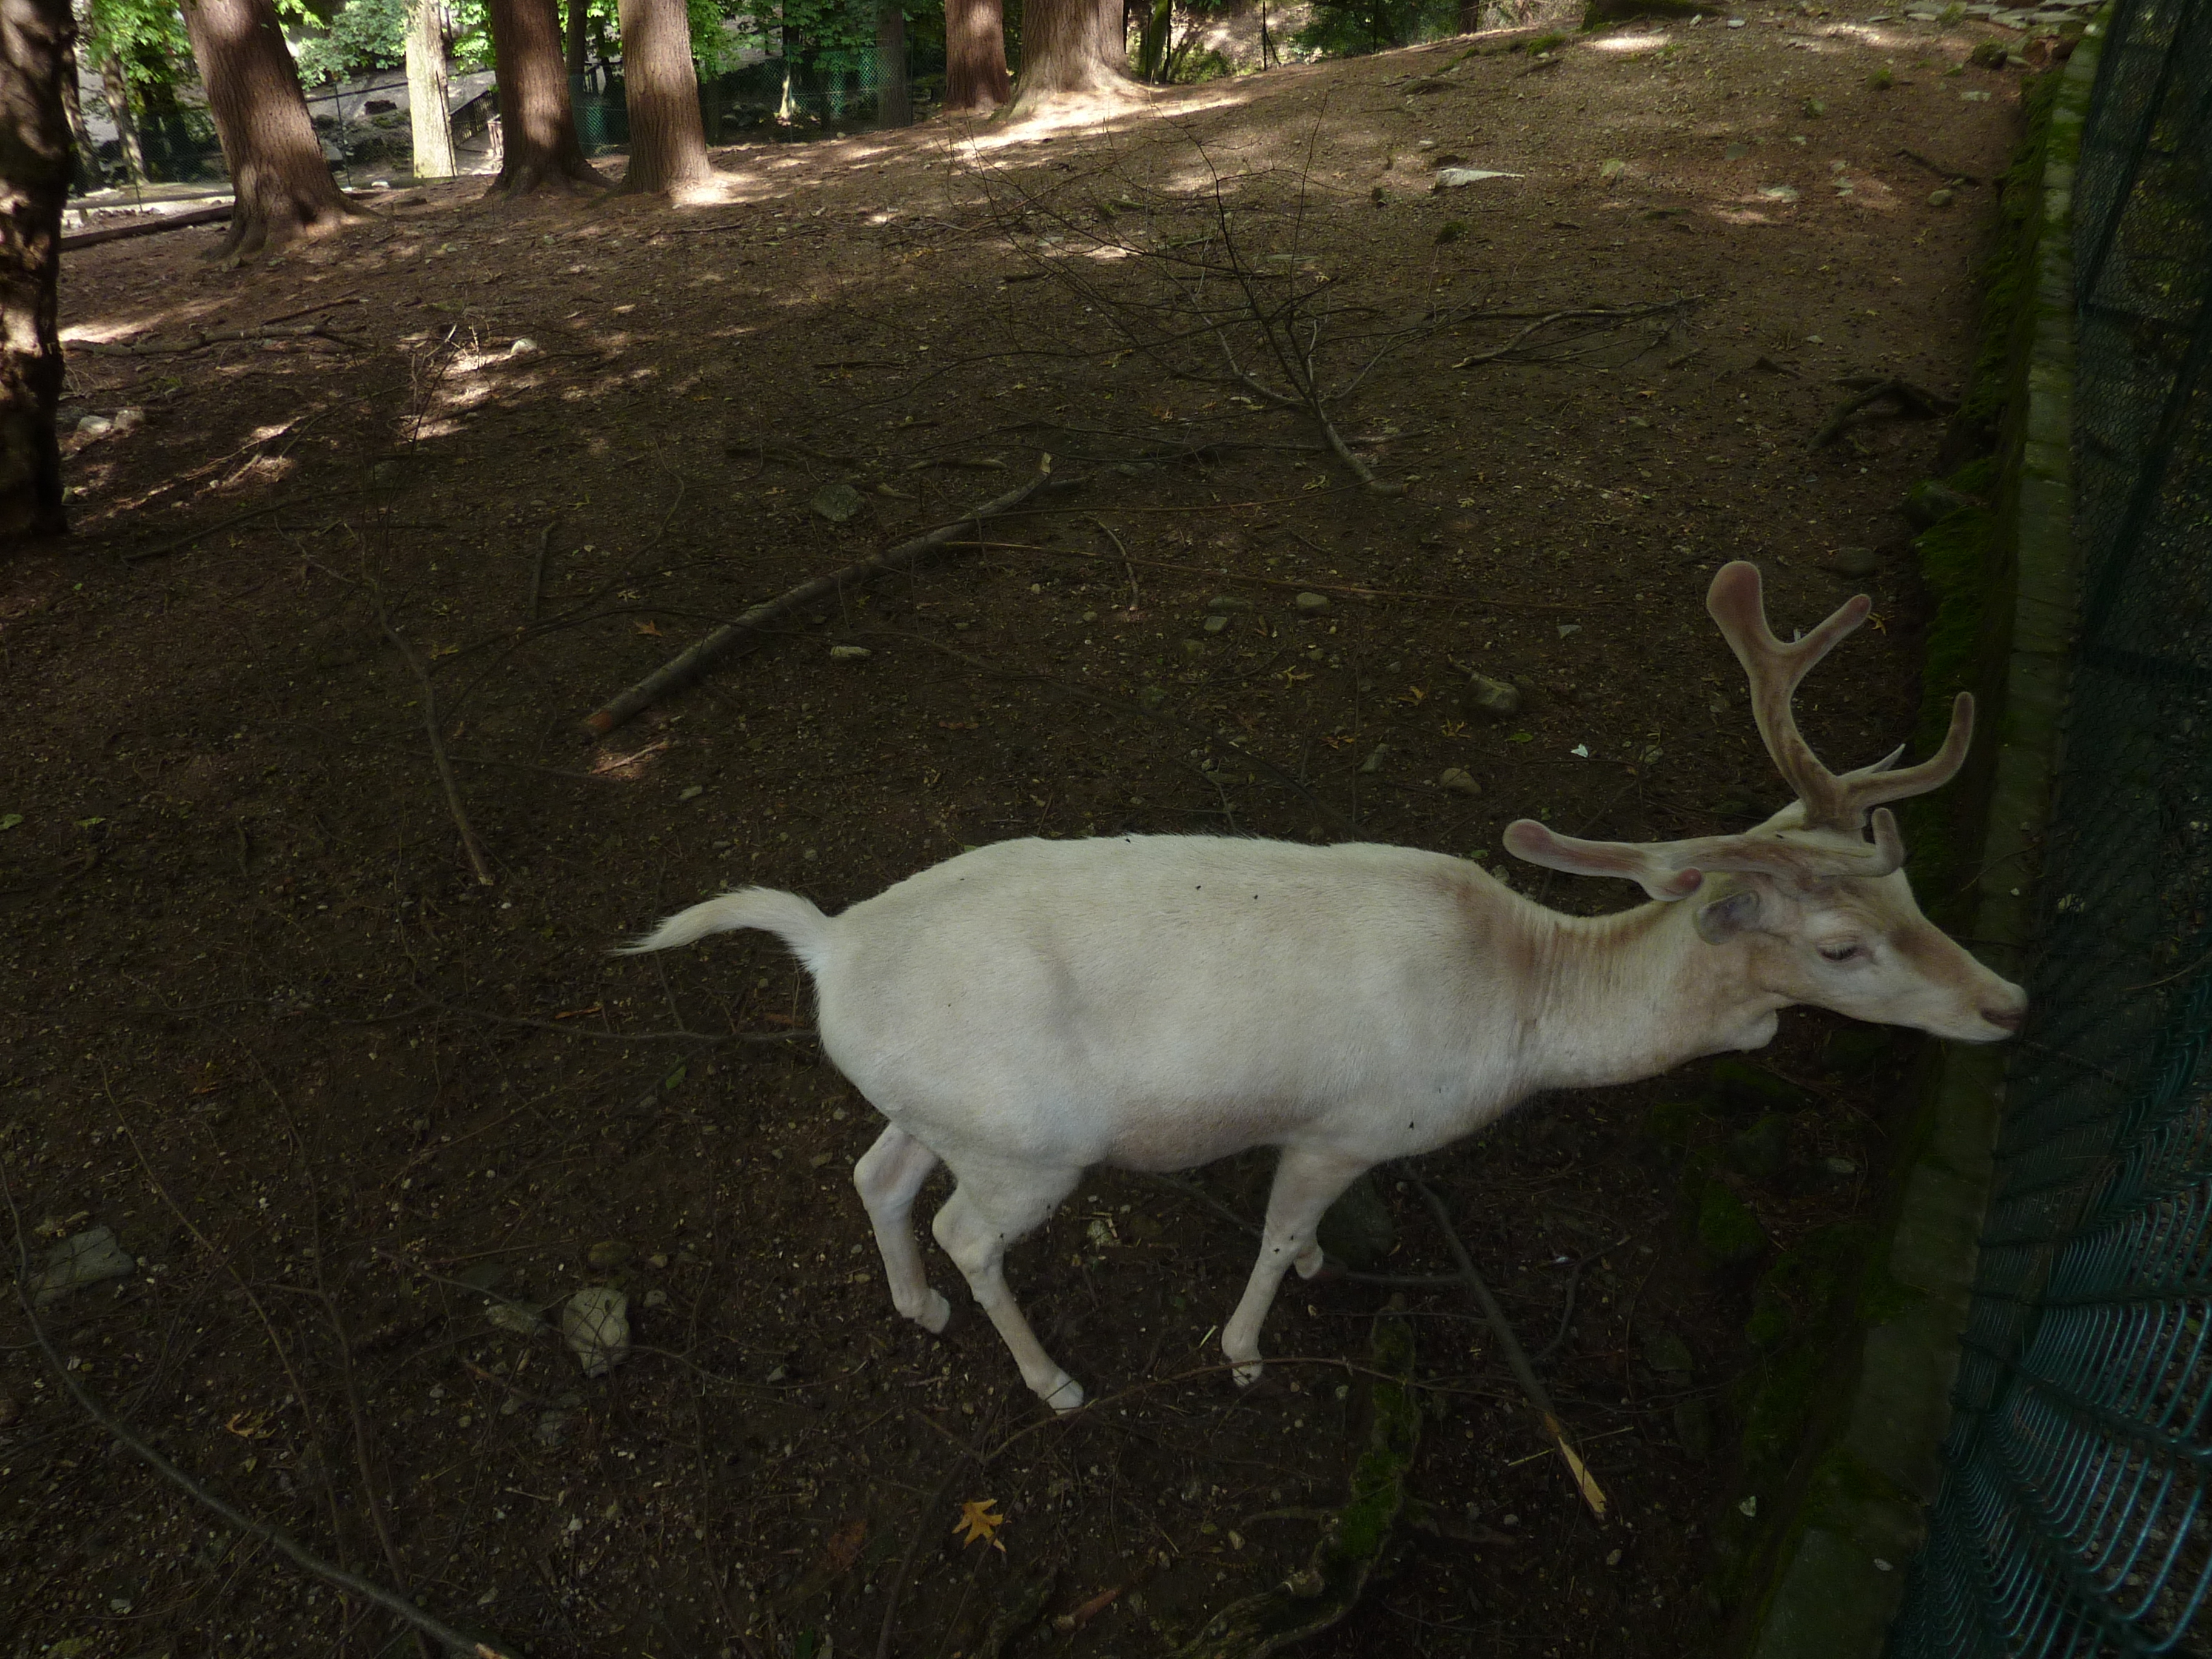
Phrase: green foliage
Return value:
(1348, 28)
(146, 36)
(363, 34)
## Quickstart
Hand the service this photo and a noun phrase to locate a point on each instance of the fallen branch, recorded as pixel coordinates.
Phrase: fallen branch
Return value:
(1928, 405)
(1607, 313)
(1515, 1360)
(153, 227)
(750, 628)
(201, 342)
(436, 1629)
(165, 549)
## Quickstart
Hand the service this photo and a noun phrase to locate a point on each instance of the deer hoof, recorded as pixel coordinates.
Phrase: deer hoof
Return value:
(1248, 1373)
(936, 1313)
(1063, 1396)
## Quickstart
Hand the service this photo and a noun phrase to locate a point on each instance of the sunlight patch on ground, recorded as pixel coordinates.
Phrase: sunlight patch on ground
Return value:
(1629, 43)
(107, 333)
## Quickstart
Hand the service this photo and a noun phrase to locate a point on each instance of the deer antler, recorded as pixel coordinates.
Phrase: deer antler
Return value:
(1676, 869)
(1775, 669)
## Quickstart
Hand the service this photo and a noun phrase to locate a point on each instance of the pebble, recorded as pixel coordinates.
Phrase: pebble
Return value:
(1839, 1167)
(1458, 782)
(1373, 761)
(1312, 605)
(1567, 629)
(1612, 169)
(849, 653)
(1229, 602)
(595, 1324)
(607, 1254)
(524, 347)
(838, 503)
(1852, 562)
(1939, 197)
(1495, 696)
(517, 1318)
(1215, 624)
(1459, 177)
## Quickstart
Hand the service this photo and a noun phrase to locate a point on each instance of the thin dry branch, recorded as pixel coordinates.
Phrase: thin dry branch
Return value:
(202, 342)
(753, 626)
(1917, 400)
(1515, 1360)
(436, 1629)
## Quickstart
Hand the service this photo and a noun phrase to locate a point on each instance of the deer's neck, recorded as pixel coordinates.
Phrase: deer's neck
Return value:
(1622, 997)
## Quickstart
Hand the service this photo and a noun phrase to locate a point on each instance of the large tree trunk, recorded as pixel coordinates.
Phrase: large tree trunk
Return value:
(282, 186)
(667, 142)
(578, 11)
(427, 114)
(1074, 52)
(36, 37)
(894, 98)
(1470, 16)
(84, 174)
(117, 87)
(976, 77)
(538, 124)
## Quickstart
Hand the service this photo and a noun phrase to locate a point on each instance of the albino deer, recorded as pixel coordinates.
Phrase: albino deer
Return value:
(1027, 1009)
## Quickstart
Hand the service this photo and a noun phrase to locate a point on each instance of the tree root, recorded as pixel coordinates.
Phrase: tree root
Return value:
(1916, 400)
(1354, 1538)
(202, 342)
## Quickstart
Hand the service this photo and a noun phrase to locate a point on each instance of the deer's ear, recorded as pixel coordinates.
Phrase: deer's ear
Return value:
(1725, 918)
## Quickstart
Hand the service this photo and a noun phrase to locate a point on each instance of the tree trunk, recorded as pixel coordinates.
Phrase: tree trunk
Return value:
(667, 142)
(84, 170)
(117, 87)
(1470, 16)
(538, 124)
(428, 115)
(578, 11)
(1073, 52)
(976, 77)
(894, 99)
(36, 37)
(282, 186)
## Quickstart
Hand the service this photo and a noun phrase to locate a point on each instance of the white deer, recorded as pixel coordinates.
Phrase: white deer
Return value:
(1027, 1009)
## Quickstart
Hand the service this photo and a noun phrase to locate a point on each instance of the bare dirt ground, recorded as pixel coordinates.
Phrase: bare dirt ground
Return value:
(331, 1091)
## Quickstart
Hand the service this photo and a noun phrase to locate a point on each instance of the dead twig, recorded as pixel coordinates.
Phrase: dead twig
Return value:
(436, 1629)
(751, 629)
(438, 758)
(202, 342)
(1515, 1360)
(1127, 564)
(537, 566)
(140, 555)
(1928, 405)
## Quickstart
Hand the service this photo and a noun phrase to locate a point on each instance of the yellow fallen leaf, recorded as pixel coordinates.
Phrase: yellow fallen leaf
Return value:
(980, 1521)
(650, 628)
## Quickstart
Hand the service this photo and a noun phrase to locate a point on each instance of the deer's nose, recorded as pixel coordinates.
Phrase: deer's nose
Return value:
(2005, 1019)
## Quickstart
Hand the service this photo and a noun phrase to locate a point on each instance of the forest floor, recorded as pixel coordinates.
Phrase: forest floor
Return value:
(347, 1107)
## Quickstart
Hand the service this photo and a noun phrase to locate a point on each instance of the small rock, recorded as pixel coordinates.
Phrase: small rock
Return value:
(517, 1318)
(1460, 783)
(607, 1254)
(550, 1427)
(1494, 697)
(1312, 605)
(1852, 562)
(94, 425)
(1813, 109)
(1459, 178)
(128, 421)
(849, 653)
(524, 347)
(1567, 629)
(1215, 624)
(1612, 170)
(1373, 761)
(1736, 152)
(1193, 647)
(839, 503)
(1667, 1353)
(656, 1299)
(1778, 192)
(1736, 22)
(1841, 1167)
(1428, 84)
(1975, 96)
(84, 1258)
(1941, 198)
(1229, 602)
(595, 1324)
(692, 792)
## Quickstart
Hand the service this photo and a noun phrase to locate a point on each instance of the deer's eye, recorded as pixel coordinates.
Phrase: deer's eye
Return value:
(1842, 952)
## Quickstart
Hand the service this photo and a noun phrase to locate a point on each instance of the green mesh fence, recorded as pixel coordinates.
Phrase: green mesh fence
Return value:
(2072, 1517)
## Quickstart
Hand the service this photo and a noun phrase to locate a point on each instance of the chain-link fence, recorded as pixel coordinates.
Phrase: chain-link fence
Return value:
(2073, 1520)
